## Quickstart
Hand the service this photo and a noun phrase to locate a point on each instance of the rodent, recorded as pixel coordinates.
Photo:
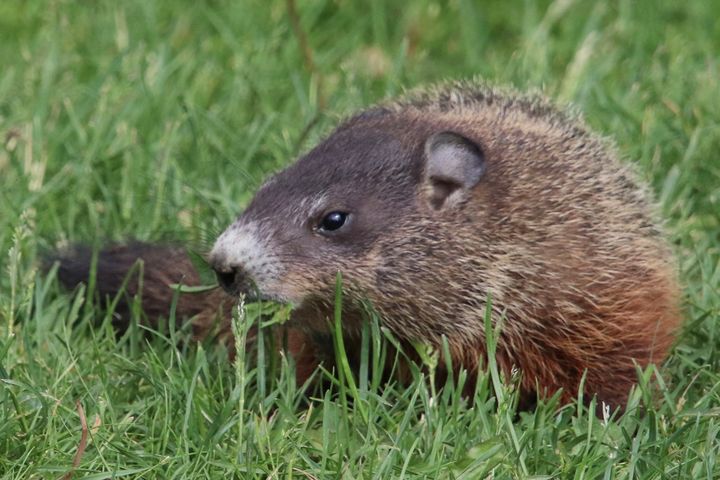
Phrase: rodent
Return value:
(429, 205)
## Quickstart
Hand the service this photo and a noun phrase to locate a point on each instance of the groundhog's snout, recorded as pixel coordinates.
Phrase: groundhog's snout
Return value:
(240, 260)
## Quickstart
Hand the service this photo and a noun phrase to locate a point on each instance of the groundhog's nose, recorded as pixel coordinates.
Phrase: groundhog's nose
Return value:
(233, 279)
(226, 279)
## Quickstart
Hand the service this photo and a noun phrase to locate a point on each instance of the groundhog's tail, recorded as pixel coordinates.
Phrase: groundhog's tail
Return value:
(121, 270)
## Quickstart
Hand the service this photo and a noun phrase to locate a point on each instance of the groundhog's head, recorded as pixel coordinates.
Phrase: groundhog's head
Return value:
(363, 202)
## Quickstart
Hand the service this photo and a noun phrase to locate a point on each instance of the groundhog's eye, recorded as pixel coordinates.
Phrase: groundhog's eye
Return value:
(333, 221)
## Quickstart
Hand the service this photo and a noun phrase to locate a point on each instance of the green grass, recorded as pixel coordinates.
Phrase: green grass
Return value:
(158, 120)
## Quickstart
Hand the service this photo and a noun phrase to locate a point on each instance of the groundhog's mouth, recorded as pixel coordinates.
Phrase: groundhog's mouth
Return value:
(254, 295)
(260, 297)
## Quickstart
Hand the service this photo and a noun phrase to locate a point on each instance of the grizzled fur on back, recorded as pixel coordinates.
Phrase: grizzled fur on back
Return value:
(431, 204)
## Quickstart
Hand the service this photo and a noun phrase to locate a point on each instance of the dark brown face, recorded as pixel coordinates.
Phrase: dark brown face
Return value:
(331, 210)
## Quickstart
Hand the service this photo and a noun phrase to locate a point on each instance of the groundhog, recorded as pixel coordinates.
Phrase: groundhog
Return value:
(430, 205)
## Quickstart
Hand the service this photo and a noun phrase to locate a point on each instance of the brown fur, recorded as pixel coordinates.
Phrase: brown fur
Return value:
(558, 233)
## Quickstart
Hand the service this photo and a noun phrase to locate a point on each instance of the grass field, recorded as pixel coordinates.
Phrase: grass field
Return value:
(157, 120)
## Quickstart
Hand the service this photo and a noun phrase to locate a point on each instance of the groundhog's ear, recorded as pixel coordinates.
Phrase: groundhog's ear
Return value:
(453, 166)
